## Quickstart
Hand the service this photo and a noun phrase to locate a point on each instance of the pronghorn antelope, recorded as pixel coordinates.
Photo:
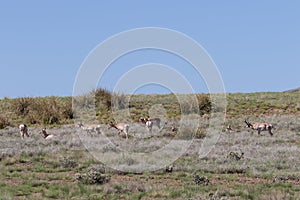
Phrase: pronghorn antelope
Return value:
(46, 135)
(260, 127)
(122, 127)
(154, 121)
(149, 125)
(23, 130)
(91, 128)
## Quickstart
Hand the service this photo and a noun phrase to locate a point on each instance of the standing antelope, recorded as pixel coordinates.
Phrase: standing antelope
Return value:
(155, 121)
(260, 127)
(91, 128)
(149, 125)
(46, 135)
(23, 130)
(122, 127)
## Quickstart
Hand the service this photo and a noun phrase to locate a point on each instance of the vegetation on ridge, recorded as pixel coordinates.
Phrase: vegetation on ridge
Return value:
(58, 110)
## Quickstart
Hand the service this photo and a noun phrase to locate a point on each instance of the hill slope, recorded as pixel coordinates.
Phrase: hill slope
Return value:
(294, 90)
(55, 111)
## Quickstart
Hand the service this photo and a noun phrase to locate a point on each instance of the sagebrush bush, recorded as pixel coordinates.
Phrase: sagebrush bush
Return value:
(205, 104)
(103, 98)
(93, 176)
(68, 163)
(200, 133)
(48, 110)
(4, 122)
(21, 106)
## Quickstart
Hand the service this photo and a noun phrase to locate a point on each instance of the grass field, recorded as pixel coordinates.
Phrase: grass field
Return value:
(71, 166)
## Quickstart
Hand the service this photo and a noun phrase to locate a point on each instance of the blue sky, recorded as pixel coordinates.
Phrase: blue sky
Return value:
(255, 44)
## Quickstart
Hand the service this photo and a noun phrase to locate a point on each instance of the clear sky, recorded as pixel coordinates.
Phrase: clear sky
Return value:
(255, 44)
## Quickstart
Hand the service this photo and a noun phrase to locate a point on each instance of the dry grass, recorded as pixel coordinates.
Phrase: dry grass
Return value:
(35, 168)
(265, 157)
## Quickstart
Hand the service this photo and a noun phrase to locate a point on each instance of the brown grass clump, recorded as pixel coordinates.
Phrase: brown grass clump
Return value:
(21, 106)
(205, 104)
(3, 122)
(47, 111)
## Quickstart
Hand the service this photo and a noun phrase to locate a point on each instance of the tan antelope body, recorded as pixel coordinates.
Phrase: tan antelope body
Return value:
(89, 128)
(121, 127)
(46, 135)
(23, 130)
(260, 127)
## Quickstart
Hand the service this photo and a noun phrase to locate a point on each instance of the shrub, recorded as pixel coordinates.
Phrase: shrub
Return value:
(66, 109)
(200, 133)
(47, 110)
(103, 98)
(93, 176)
(200, 180)
(3, 122)
(120, 101)
(21, 106)
(68, 163)
(235, 155)
(205, 104)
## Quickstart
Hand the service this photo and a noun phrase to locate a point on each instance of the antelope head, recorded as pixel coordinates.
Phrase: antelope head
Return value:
(110, 125)
(249, 125)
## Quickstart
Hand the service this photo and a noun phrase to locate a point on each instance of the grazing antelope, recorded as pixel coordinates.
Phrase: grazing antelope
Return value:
(46, 135)
(260, 127)
(155, 121)
(122, 127)
(90, 128)
(23, 130)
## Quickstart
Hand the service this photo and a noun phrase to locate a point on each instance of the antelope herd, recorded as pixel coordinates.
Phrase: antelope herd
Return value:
(148, 122)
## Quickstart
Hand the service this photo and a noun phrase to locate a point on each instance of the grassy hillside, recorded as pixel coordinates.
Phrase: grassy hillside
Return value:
(53, 111)
(294, 90)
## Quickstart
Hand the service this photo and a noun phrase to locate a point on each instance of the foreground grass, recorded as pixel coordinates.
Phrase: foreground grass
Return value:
(30, 184)
(39, 169)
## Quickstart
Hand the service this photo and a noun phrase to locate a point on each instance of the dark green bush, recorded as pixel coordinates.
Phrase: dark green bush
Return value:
(93, 176)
